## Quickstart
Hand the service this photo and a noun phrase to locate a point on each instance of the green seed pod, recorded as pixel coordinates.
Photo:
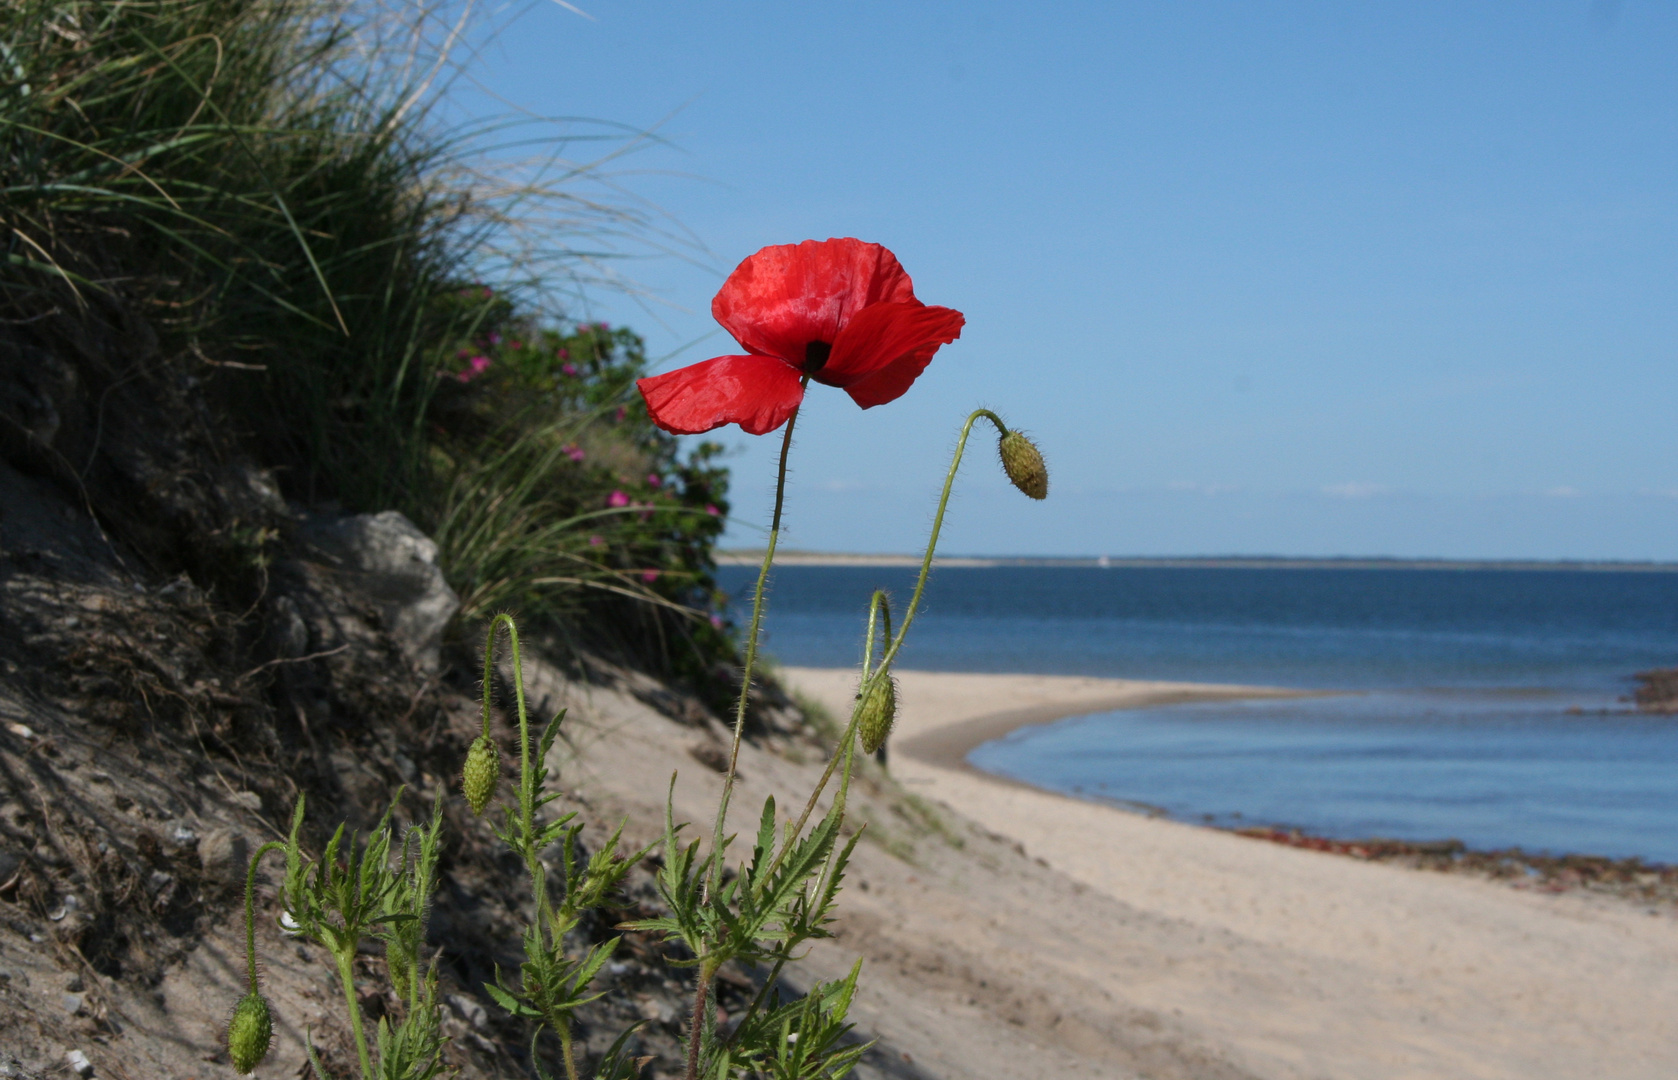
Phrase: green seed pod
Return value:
(1023, 463)
(483, 769)
(249, 1032)
(876, 712)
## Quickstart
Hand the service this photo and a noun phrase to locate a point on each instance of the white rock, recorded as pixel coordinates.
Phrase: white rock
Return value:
(396, 565)
(470, 1011)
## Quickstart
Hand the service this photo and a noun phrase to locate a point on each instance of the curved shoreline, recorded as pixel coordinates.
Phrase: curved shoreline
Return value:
(1276, 959)
(947, 746)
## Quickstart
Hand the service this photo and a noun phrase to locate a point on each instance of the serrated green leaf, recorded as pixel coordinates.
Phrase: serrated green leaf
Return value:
(509, 1002)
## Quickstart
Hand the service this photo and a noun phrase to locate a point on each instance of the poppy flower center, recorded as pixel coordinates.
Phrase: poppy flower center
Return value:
(815, 356)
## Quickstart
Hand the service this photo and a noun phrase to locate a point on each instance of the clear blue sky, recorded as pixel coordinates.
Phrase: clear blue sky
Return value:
(1302, 278)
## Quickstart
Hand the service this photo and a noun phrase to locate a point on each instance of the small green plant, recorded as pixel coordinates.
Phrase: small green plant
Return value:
(761, 910)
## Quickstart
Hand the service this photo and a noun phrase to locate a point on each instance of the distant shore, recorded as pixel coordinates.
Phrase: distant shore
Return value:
(754, 557)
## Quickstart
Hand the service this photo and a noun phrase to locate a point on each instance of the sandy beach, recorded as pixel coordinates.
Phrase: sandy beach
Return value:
(1249, 959)
(1007, 932)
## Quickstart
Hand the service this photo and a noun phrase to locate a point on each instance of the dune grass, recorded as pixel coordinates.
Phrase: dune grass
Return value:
(275, 186)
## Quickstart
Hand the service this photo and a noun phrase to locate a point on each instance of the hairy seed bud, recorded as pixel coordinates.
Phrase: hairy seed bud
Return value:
(483, 769)
(249, 1032)
(876, 711)
(1023, 463)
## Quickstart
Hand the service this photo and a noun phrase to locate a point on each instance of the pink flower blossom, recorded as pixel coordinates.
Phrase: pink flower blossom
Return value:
(596, 541)
(494, 338)
(602, 327)
(575, 453)
(716, 620)
(622, 412)
(477, 366)
(564, 354)
(649, 576)
(570, 369)
(617, 499)
(654, 480)
(711, 508)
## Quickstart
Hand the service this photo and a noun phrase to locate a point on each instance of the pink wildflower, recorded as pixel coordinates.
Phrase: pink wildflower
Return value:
(716, 620)
(654, 480)
(596, 541)
(649, 576)
(570, 369)
(617, 499)
(711, 508)
(575, 453)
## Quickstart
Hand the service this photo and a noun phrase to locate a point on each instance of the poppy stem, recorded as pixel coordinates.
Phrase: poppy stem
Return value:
(751, 653)
(250, 910)
(882, 670)
(937, 525)
(877, 605)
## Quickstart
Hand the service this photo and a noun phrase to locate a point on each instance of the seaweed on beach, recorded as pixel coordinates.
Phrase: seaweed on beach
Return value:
(1630, 879)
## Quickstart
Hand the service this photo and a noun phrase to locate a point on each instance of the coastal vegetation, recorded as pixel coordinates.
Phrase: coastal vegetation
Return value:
(259, 301)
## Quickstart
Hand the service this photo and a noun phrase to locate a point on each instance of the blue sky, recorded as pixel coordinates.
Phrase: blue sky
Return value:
(1303, 278)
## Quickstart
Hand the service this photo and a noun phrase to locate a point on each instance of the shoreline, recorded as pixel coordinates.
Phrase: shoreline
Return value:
(946, 746)
(1229, 959)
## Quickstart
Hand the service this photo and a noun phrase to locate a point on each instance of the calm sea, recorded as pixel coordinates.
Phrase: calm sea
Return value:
(1482, 705)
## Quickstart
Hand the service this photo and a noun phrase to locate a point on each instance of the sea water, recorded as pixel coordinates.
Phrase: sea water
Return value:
(1486, 705)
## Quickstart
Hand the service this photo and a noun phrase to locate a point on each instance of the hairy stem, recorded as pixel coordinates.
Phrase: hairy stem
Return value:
(527, 779)
(697, 1025)
(937, 526)
(250, 909)
(751, 655)
(565, 1049)
(346, 976)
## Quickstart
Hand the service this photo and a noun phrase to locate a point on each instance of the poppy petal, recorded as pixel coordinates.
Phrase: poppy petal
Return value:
(886, 347)
(756, 392)
(784, 297)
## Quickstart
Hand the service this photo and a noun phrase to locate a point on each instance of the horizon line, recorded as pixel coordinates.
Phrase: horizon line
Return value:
(754, 556)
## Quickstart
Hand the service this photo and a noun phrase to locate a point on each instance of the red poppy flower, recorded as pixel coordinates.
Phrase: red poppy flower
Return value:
(840, 311)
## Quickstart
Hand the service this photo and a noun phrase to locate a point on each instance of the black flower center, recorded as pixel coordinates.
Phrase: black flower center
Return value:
(815, 356)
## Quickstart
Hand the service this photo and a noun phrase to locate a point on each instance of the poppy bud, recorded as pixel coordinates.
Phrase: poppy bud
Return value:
(876, 711)
(249, 1032)
(482, 770)
(1023, 463)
